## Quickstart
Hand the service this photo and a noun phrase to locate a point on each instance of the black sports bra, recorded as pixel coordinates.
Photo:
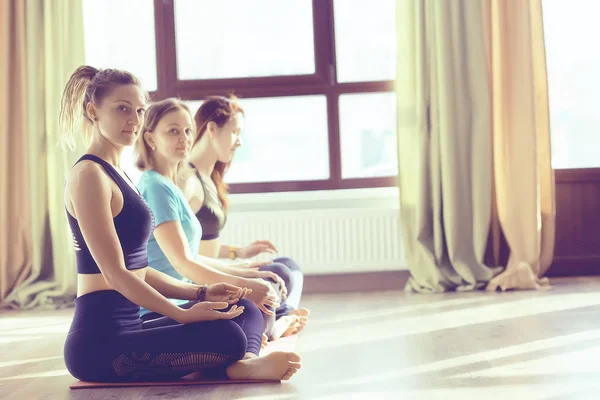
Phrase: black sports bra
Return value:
(212, 215)
(134, 225)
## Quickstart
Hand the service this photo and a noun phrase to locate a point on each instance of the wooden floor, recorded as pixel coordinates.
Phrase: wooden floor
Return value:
(519, 345)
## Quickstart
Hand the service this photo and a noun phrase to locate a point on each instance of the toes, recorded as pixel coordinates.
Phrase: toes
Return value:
(291, 319)
(303, 312)
(291, 329)
(295, 365)
(293, 357)
(297, 328)
(290, 372)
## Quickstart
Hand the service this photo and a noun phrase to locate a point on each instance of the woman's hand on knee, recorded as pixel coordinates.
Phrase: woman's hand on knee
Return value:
(272, 275)
(209, 311)
(263, 295)
(224, 292)
(255, 273)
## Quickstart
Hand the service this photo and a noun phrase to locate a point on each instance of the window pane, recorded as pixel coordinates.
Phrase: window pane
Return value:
(128, 164)
(193, 105)
(283, 139)
(365, 40)
(241, 38)
(120, 34)
(574, 83)
(368, 135)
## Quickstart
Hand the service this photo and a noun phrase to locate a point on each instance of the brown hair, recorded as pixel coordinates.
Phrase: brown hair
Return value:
(154, 113)
(86, 84)
(219, 110)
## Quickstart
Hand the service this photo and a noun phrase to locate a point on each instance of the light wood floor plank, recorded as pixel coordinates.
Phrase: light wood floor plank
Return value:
(517, 345)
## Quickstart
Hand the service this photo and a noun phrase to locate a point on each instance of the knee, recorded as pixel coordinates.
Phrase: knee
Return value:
(234, 338)
(251, 311)
(288, 262)
(280, 269)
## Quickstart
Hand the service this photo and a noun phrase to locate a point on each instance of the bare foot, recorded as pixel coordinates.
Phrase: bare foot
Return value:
(302, 314)
(283, 325)
(278, 365)
(293, 328)
(265, 341)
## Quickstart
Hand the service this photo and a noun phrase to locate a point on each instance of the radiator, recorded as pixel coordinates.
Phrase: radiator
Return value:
(325, 241)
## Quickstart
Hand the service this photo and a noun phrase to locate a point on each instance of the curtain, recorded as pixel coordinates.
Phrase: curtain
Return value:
(54, 47)
(453, 156)
(15, 216)
(524, 178)
(444, 145)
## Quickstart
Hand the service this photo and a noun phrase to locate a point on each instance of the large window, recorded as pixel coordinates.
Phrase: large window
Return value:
(119, 35)
(571, 33)
(245, 38)
(315, 79)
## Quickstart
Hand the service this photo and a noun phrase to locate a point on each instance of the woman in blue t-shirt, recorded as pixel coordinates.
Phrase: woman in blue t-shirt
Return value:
(173, 247)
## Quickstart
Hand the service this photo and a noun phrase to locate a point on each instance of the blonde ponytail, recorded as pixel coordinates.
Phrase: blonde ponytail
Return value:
(73, 120)
(86, 84)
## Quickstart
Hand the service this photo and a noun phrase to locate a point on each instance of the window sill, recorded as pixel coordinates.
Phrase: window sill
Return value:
(386, 197)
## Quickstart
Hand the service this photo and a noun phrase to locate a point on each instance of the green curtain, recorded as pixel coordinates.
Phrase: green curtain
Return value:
(444, 144)
(55, 47)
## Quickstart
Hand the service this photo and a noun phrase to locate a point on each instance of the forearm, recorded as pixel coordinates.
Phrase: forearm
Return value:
(224, 252)
(171, 287)
(201, 273)
(141, 293)
(213, 263)
(220, 266)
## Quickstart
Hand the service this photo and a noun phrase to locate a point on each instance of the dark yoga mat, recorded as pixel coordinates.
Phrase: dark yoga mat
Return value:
(284, 344)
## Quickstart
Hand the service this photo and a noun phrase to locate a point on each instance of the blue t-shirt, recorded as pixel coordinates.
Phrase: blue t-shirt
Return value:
(168, 203)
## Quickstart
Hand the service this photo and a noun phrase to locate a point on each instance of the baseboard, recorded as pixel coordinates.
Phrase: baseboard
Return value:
(575, 266)
(396, 280)
(356, 282)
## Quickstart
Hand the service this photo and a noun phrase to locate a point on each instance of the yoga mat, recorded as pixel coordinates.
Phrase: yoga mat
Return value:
(283, 344)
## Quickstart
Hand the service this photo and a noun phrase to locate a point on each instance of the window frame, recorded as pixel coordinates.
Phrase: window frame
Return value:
(322, 82)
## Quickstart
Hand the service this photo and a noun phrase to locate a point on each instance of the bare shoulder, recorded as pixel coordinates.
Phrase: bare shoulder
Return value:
(87, 175)
(185, 173)
(87, 184)
(186, 178)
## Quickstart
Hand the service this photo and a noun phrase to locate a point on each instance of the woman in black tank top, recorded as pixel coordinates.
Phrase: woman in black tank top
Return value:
(111, 224)
(218, 129)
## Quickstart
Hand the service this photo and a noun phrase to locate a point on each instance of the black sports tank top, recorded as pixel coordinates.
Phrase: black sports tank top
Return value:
(212, 215)
(134, 225)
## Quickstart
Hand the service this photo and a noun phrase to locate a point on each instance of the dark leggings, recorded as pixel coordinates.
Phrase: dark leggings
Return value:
(292, 275)
(108, 342)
